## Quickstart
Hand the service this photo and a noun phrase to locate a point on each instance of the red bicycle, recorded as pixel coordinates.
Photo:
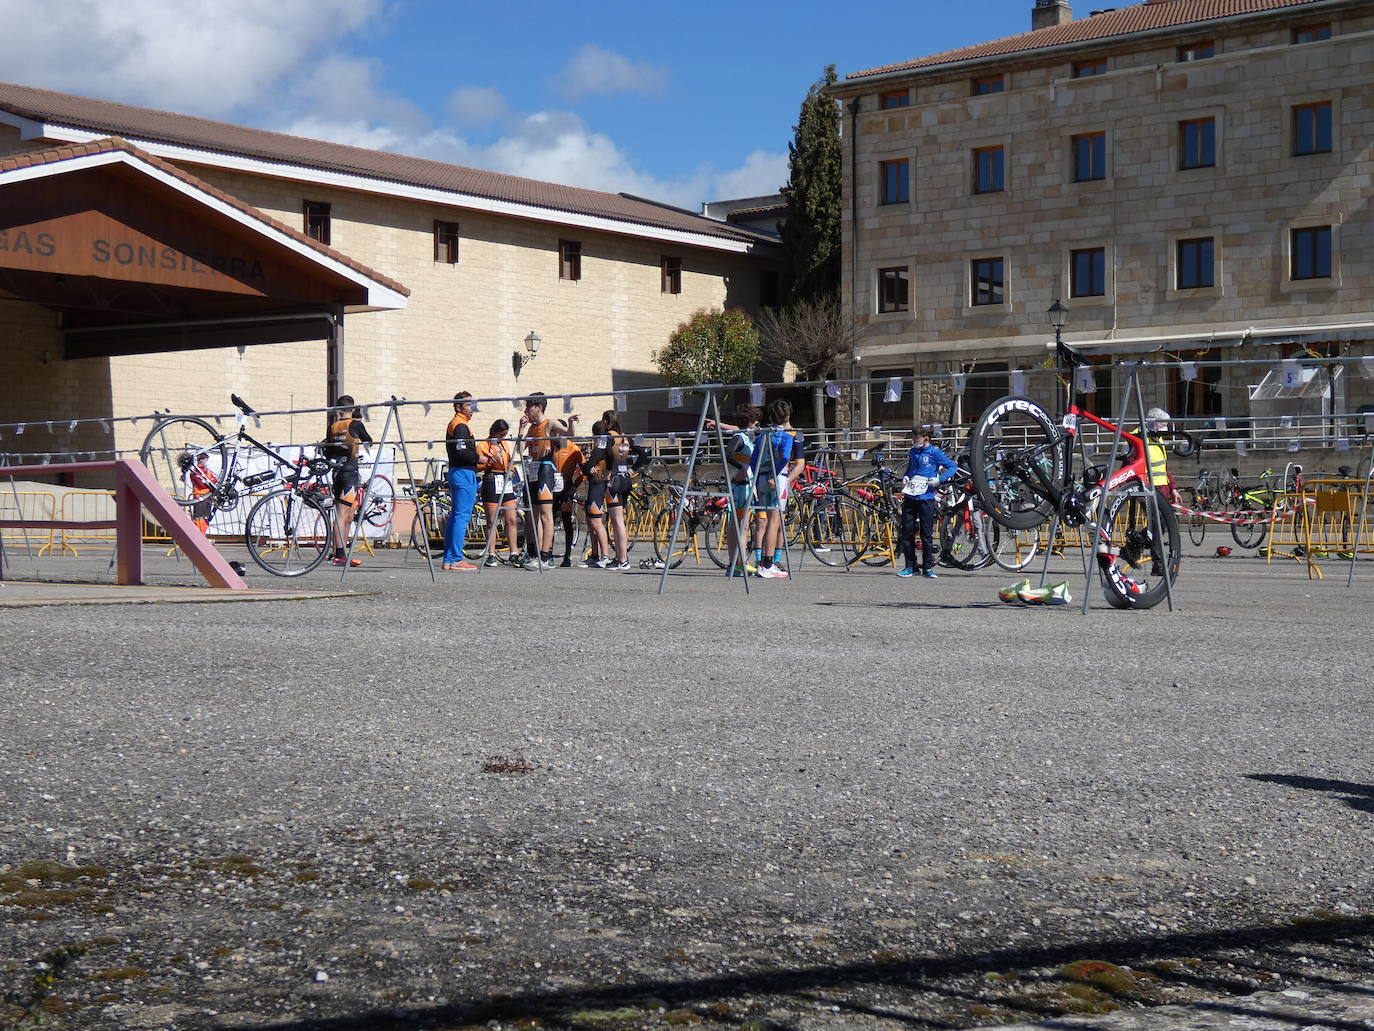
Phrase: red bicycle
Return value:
(1022, 463)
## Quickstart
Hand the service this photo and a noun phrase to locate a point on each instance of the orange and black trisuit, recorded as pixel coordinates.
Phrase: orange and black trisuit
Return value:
(494, 461)
(345, 436)
(203, 482)
(567, 465)
(462, 450)
(622, 457)
(539, 450)
(595, 469)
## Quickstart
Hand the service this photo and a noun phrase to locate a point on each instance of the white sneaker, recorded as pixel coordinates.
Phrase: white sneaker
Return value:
(770, 572)
(619, 565)
(603, 563)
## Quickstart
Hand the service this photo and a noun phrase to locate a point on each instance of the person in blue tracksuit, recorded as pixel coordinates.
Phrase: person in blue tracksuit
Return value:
(926, 468)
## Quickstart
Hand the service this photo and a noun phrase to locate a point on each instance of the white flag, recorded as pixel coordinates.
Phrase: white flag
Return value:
(19, 430)
(104, 426)
(894, 389)
(1085, 379)
(620, 404)
(1292, 374)
(1188, 371)
(71, 426)
(1018, 381)
(832, 389)
(257, 421)
(1342, 443)
(675, 398)
(672, 438)
(1285, 421)
(425, 406)
(755, 394)
(638, 438)
(1367, 366)
(1295, 445)
(935, 429)
(960, 381)
(476, 408)
(1241, 445)
(1221, 423)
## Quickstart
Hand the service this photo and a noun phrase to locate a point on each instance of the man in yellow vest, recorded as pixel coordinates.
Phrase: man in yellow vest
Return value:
(1158, 422)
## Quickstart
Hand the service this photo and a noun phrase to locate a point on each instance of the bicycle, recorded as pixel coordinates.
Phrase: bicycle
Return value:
(1254, 508)
(1200, 499)
(1022, 461)
(197, 465)
(967, 537)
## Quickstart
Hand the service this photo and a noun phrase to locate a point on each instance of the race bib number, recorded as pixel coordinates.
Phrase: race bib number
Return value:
(1070, 421)
(915, 485)
(498, 483)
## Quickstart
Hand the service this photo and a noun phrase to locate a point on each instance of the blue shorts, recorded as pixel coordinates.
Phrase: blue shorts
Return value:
(766, 494)
(739, 492)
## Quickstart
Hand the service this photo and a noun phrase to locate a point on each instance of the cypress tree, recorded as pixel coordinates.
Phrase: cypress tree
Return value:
(811, 234)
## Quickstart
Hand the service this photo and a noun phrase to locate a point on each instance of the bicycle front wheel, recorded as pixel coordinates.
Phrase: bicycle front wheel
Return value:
(379, 502)
(960, 543)
(1013, 550)
(1197, 522)
(1016, 455)
(288, 533)
(1250, 525)
(1139, 546)
(184, 454)
(839, 532)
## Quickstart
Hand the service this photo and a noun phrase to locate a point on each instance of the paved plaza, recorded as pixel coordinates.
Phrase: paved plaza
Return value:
(561, 800)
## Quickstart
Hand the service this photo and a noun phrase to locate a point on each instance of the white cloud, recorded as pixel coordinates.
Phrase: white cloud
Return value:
(595, 71)
(195, 57)
(762, 173)
(475, 105)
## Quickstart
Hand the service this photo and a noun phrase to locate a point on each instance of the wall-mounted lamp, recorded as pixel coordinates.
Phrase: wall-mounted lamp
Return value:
(518, 361)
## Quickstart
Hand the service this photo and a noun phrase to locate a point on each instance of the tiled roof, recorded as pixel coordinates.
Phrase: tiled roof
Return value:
(1161, 14)
(55, 155)
(146, 124)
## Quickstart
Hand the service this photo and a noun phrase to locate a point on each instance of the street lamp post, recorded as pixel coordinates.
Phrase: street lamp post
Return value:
(518, 360)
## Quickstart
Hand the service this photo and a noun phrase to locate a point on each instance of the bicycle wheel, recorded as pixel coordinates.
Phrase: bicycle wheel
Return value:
(839, 532)
(475, 542)
(177, 446)
(1016, 453)
(1138, 551)
(1249, 525)
(714, 523)
(289, 533)
(427, 532)
(686, 537)
(379, 503)
(1197, 522)
(1013, 550)
(959, 543)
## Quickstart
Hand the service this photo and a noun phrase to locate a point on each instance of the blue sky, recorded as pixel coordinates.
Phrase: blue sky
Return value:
(679, 102)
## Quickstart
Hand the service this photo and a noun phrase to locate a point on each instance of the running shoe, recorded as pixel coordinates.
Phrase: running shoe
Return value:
(752, 568)
(353, 562)
(1051, 594)
(491, 561)
(588, 563)
(770, 572)
(1345, 556)
(906, 571)
(930, 574)
(1012, 594)
(617, 565)
(565, 564)
(604, 563)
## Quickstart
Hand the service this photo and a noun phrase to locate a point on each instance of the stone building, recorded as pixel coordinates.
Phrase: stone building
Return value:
(439, 273)
(1190, 177)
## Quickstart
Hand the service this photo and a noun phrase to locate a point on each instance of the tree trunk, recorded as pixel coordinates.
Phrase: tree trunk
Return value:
(818, 407)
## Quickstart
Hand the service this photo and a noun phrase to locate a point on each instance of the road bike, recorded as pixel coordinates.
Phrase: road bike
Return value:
(1022, 462)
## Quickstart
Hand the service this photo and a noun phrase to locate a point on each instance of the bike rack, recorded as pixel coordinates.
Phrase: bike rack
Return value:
(393, 414)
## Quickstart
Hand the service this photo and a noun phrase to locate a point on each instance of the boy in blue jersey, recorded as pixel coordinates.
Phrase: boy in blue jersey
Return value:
(926, 468)
(769, 462)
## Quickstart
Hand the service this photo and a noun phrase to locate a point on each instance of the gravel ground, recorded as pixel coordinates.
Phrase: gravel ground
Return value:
(564, 801)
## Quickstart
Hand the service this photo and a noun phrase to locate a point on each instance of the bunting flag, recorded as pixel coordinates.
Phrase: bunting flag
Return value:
(756, 394)
(1221, 423)
(960, 381)
(71, 426)
(1295, 445)
(894, 389)
(1342, 443)
(1241, 445)
(104, 426)
(476, 408)
(1018, 381)
(936, 429)
(1188, 371)
(620, 403)
(672, 438)
(425, 407)
(257, 419)
(567, 404)
(1367, 366)
(638, 438)
(846, 433)
(1292, 373)
(1285, 421)
(46, 460)
(675, 398)
(1085, 379)
(19, 430)
(832, 389)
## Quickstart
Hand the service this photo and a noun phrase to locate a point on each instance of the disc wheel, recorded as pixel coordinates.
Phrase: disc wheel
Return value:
(175, 447)
(289, 533)
(1142, 546)
(1016, 456)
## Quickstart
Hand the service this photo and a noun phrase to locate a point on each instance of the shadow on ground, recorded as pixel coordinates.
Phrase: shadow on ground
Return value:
(1356, 796)
(881, 988)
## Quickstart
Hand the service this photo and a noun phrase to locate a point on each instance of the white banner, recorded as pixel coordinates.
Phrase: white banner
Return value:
(894, 389)
(1085, 380)
(1292, 373)
(755, 394)
(960, 380)
(1018, 381)
(1188, 371)
(675, 398)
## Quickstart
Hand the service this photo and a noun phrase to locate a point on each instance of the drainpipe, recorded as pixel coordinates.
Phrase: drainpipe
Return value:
(854, 372)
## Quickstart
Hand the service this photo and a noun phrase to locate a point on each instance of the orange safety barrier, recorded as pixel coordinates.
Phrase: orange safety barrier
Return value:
(28, 504)
(87, 506)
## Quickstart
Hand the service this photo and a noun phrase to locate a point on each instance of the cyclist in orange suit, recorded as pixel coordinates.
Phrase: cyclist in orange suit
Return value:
(539, 432)
(203, 481)
(498, 496)
(346, 434)
(567, 464)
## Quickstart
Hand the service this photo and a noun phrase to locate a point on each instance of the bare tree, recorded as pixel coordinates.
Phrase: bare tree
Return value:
(812, 334)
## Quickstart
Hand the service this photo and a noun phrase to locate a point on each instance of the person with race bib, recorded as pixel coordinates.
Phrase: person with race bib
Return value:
(594, 471)
(619, 456)
(345, 435)
(494, 462)
(462, 482)
(780, 411)
(926, 468)
(539, 432)
(567, 476)
(768, 464)
(738, 451)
